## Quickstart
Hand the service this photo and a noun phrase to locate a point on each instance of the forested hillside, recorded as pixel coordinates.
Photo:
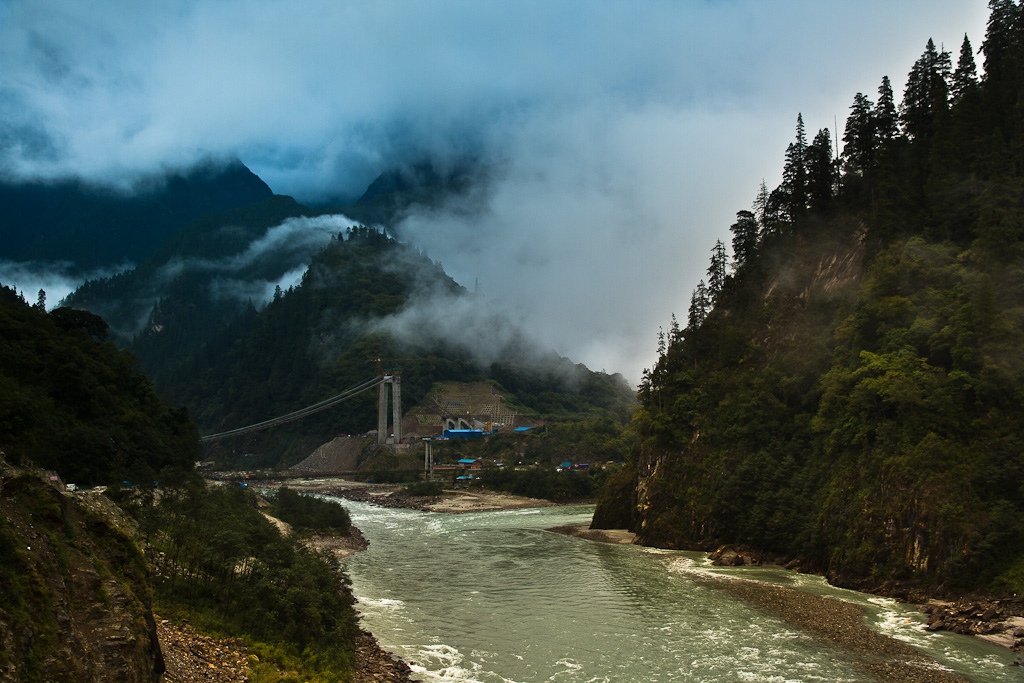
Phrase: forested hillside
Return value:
(325, 335)
(848, 389)
(79, 579)
(70, 401)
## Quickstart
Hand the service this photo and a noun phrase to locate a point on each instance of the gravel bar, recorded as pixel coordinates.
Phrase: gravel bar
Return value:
(842, 625)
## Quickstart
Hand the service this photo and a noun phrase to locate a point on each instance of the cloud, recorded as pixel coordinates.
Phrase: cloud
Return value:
(280, 256)
(627, 134)
(258, 291)
(467, 322)
(56, 279)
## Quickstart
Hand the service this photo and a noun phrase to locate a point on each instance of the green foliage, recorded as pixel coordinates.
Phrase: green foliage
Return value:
(223, 563)
(425, 488)
(592, 441)
(545, 482)
(617, 499)
(308, 513)
(75, 404)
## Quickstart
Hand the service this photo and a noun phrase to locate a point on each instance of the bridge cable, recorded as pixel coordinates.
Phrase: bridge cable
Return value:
(298, 414)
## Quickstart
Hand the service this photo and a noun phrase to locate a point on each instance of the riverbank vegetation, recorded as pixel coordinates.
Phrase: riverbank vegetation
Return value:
(847, 390)
(307, 513)
(223, 566)
(545, 483)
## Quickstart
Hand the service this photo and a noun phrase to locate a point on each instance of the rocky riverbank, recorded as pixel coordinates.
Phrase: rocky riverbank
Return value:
(191, 657)
(841, 624)
(998, 620)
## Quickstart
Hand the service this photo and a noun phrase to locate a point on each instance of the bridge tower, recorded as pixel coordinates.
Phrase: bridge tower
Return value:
(393, 382)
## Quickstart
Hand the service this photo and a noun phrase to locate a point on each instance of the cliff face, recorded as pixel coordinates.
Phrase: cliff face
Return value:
(76, 601)
(852, 393)
(857, 409)
(734, 419)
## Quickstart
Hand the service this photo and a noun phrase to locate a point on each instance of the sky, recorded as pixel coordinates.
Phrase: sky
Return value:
(623, 137)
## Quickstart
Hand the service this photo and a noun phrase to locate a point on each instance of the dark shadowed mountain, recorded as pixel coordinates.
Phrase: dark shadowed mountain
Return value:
(92, 226)
(423, 184)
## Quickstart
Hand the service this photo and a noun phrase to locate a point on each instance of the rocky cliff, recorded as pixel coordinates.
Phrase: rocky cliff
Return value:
(77, 604)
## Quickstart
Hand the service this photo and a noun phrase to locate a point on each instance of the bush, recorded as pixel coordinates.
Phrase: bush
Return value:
(424, 488)
(310, 513)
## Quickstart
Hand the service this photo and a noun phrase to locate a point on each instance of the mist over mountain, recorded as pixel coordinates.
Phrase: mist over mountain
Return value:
(259, 310)
(424, 186)
(58, 233)
(616, 138)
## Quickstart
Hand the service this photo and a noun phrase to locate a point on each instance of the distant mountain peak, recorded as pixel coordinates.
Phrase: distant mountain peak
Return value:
(70, 220)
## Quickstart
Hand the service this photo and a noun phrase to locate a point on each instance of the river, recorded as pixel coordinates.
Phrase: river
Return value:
(493, 597)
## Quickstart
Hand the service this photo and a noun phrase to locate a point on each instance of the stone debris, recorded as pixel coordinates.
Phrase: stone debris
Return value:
(191, 657)
(374, 664)
(1001, 621)
(842, 625)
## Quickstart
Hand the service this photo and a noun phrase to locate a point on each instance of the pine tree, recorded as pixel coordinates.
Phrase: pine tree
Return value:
(966, 75)
(1004, 80)
(859, 137)
(885, 116)
(1003, 42)
(926, 97)
(821, 172)
(675, 335)
(700, 304)
(766, 220)
(789, 199)
(745, 238)
(716, 271)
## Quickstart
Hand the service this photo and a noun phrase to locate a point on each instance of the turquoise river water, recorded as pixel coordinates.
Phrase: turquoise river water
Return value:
(493, 597)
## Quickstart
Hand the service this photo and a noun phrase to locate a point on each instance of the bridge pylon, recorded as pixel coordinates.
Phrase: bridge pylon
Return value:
(392, 382)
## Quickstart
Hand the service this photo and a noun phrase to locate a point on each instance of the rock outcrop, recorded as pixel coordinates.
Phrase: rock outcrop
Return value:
(77, 604)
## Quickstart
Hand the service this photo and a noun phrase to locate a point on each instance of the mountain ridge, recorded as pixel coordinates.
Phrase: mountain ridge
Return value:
(93, 226)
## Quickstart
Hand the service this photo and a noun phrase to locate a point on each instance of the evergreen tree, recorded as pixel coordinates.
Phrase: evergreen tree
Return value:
(885, 116)
(700, 304)
(675, 334)
(966, 75)
(793, 191)
(926, 97)
(1002, 41)
(821, 172)
(859, 138)
(745, 237)
(716, 271)
(766, 219)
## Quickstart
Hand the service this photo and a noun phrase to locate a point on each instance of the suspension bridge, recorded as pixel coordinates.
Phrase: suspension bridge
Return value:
(385, 382)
